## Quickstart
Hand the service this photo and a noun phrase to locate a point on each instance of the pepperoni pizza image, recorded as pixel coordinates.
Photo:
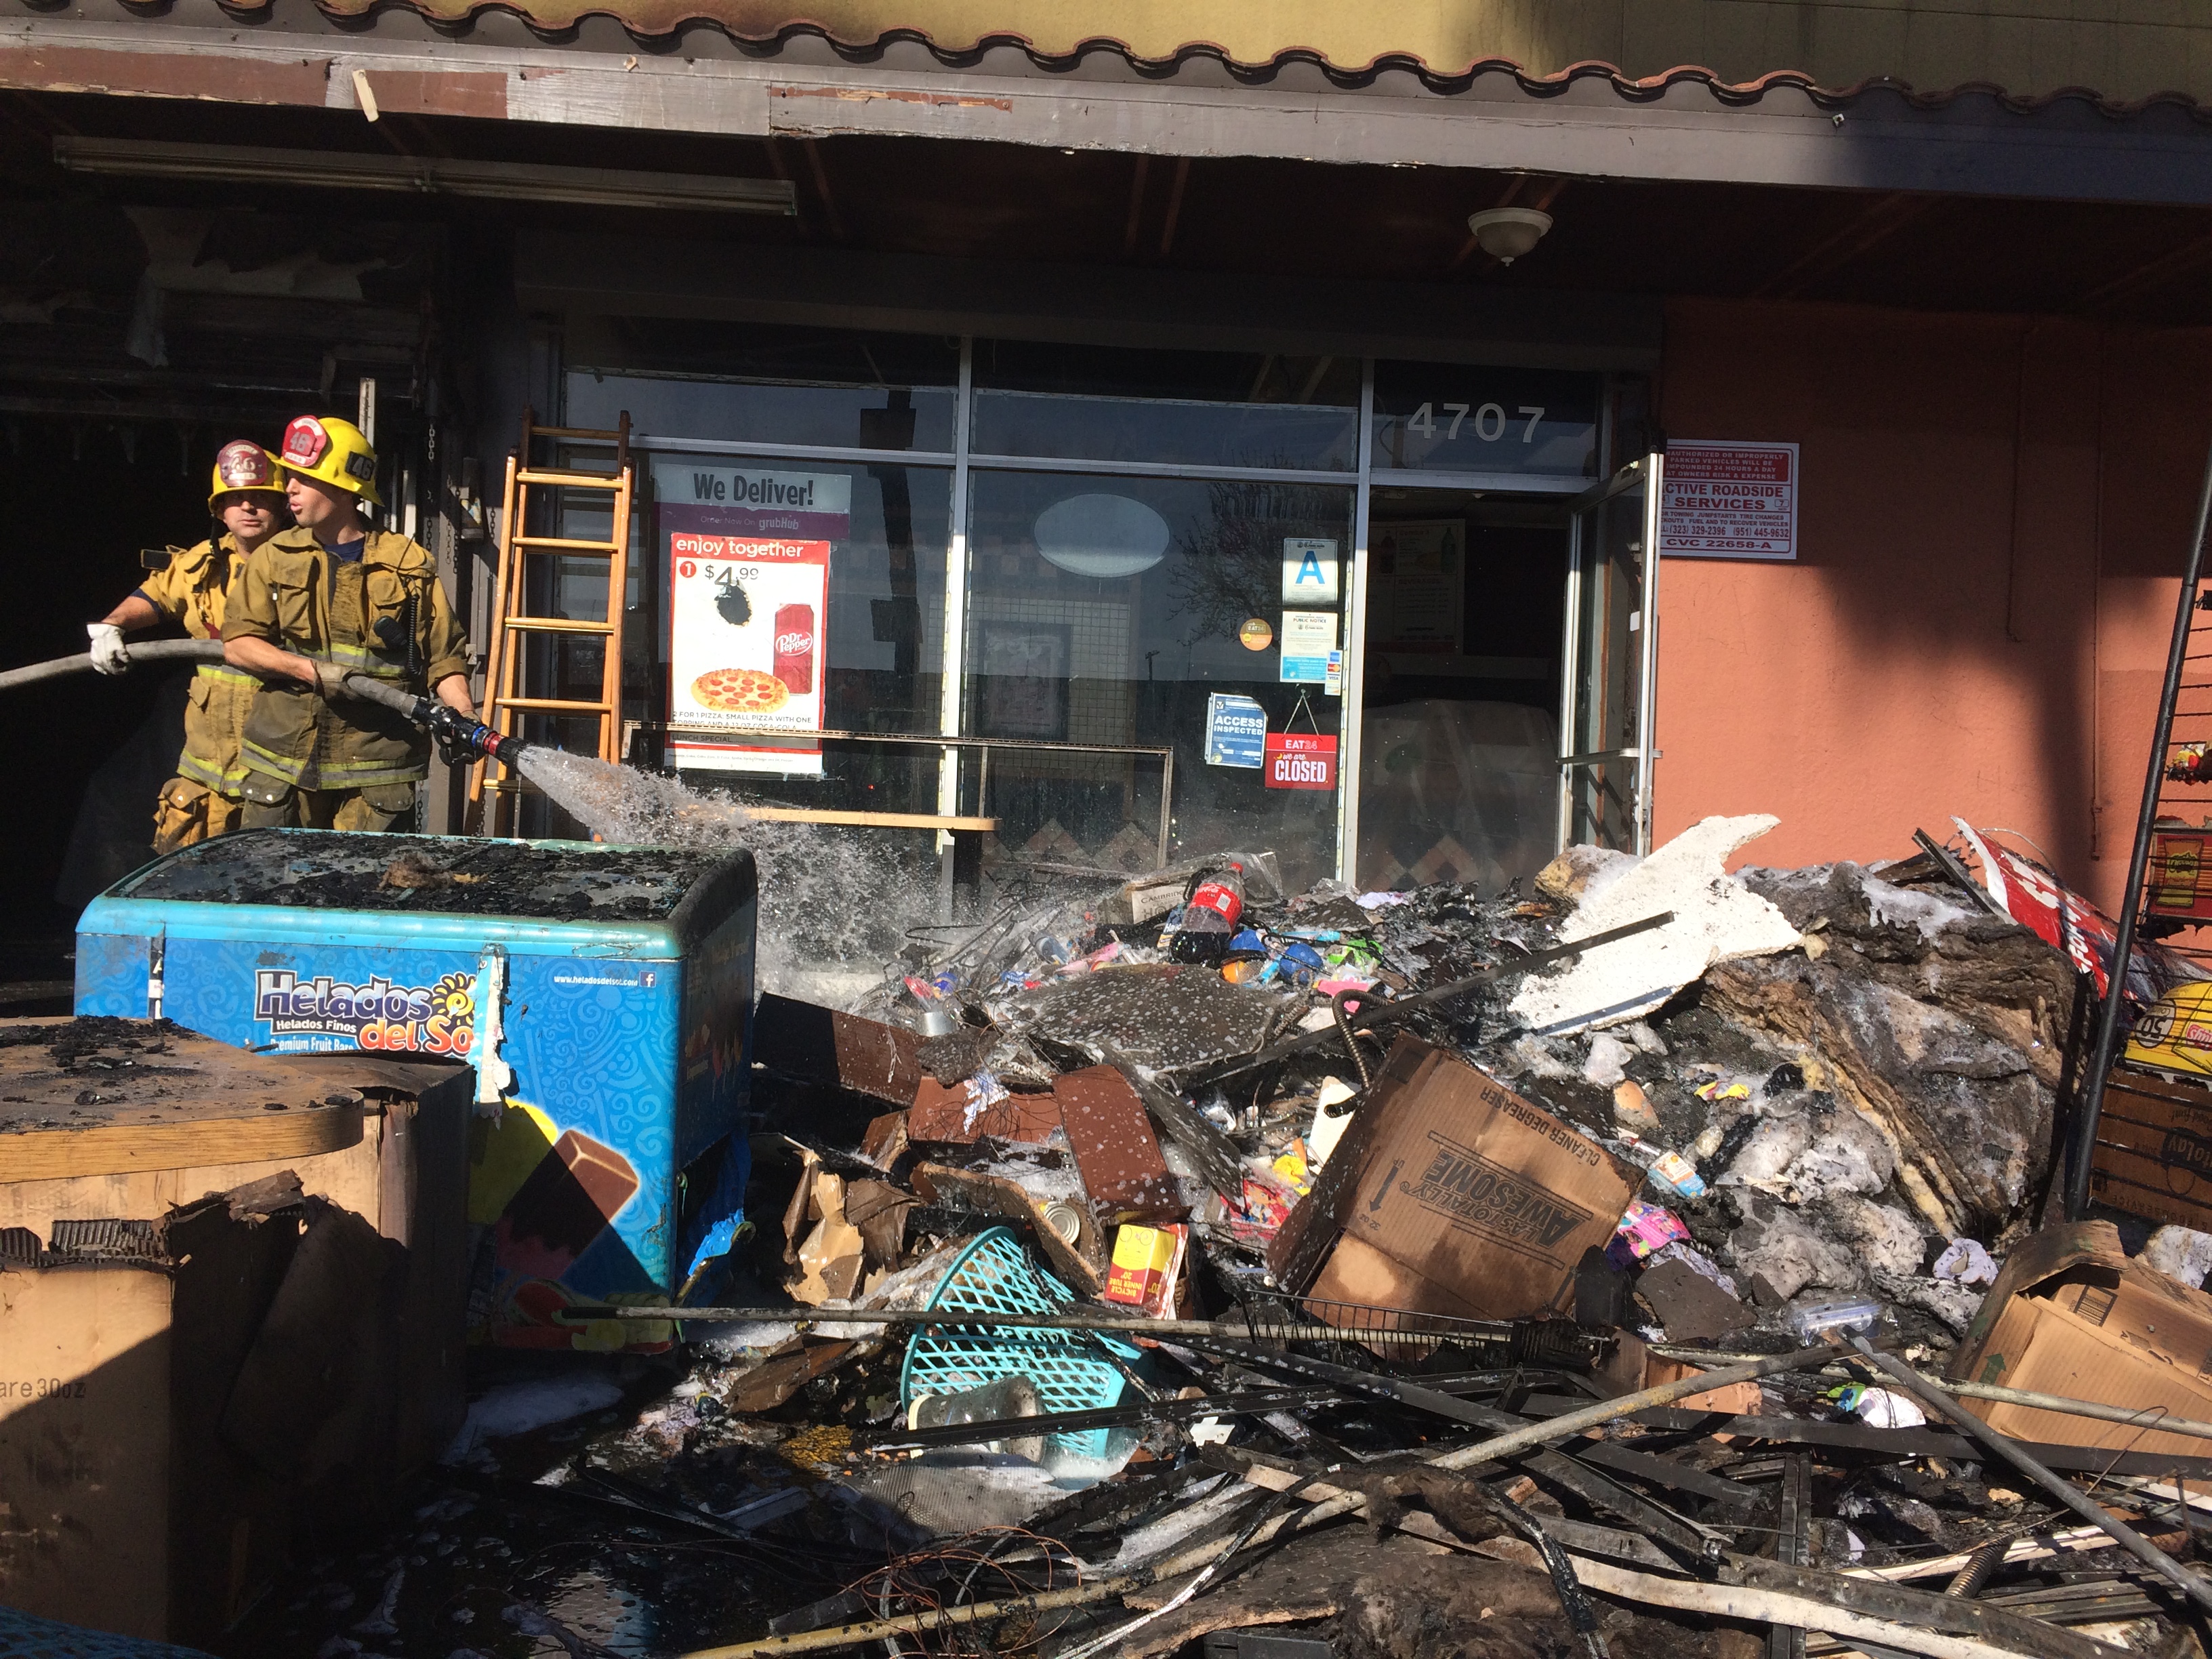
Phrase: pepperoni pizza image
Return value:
(740, 692)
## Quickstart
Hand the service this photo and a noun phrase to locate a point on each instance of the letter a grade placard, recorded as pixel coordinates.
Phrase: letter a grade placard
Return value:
(1310, 571)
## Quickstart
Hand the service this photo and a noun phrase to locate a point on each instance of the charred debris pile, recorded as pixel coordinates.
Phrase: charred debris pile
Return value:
(1655, 1262)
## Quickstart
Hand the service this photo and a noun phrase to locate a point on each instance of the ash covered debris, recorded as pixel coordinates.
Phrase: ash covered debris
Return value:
(1156, 1267)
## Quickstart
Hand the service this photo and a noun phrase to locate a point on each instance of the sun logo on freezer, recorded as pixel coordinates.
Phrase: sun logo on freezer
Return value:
(454, 996)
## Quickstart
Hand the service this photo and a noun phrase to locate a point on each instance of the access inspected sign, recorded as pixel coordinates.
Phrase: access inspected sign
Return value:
(1728, 501)
(1235, 732)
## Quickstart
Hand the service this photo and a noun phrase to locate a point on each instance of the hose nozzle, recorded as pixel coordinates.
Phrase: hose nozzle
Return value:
(461, 738)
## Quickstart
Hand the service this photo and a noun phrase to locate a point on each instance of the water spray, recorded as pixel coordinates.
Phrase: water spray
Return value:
(830, 904)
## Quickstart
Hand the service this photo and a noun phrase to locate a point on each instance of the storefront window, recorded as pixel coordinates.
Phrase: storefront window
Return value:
(1107, 611)
(1140, 601)
(824, 387)
(851, 553)
(1455, 417)
(1192, 408)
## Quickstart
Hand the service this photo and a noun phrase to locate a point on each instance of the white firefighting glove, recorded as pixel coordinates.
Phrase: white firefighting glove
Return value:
(108, 654)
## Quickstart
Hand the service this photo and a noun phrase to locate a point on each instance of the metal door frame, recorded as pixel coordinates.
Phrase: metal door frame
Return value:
(1650, 471)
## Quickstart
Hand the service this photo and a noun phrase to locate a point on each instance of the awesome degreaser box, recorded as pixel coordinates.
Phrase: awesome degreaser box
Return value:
(1451, 1194)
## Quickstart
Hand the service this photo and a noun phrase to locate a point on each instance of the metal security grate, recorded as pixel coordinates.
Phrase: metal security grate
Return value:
(105, 1240)
(2176, 893)
(2167, 893)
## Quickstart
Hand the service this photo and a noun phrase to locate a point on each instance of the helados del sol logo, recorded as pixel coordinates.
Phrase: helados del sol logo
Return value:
(420, 1020)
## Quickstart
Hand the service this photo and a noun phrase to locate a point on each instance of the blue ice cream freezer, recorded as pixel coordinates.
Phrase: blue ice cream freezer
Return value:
(604, 994)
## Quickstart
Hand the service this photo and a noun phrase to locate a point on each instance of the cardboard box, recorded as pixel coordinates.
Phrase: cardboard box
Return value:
(175, 1398)
(814, 1044)
(1631, 1367)
(1357, 1275)
(2071, 1314)
(943, 1115)
(1482, 1202)
(2153, 1153)
(183, 1379)
(1081, 1262)
(1115, 1149)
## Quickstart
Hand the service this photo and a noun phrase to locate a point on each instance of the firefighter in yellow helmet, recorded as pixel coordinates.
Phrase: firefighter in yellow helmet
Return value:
(334, 595)
(194, 586)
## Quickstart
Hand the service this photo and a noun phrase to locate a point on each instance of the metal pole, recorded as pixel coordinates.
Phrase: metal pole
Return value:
(1647, 672)
(1570, 703)
(955, 648)
(2084, 1142)
(1353, 709)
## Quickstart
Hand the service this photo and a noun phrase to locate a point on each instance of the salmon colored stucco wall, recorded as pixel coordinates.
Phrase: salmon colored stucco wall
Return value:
(1992, 515)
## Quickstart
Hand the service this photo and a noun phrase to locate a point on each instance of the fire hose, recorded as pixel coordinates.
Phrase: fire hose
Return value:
(461, 738)
(152, 651)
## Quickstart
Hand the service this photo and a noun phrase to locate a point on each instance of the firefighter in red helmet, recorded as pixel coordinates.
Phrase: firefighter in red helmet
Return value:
(332, 597)
(193, 586)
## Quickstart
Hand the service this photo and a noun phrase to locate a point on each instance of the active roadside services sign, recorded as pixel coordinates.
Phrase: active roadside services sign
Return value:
(1728, 501)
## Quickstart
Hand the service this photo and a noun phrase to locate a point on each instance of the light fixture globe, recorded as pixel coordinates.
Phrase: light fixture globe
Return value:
(1108, 537)
(1506, 234)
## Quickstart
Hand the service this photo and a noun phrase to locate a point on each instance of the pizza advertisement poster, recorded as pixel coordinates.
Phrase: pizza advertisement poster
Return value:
(745, 622)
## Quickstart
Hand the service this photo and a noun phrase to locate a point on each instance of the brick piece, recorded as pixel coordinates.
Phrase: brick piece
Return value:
(814, 1044)
(1115, 1150)
(940, 1114)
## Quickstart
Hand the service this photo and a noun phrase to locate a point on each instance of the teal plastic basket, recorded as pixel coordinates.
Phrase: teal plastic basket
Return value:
(1069, 1370)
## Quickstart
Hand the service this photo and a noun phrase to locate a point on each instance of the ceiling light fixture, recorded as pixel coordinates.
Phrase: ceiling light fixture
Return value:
(1506, 234)
(1107, 536)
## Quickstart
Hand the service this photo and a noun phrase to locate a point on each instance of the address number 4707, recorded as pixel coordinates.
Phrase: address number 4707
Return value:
(1490, 421)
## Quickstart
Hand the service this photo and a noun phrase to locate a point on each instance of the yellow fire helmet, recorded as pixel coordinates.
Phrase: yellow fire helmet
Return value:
(335, 451)
(241, 466)
(2174, 1034)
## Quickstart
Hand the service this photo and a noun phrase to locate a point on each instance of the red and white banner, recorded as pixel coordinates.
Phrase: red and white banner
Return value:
(1298, 760)
(2063, 920)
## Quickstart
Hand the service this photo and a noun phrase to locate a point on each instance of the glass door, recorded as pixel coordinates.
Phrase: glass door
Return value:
(1611, 646)
(1459, 751)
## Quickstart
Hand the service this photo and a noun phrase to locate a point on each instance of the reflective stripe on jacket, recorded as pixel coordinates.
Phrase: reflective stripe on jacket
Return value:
(385, 615)
(196, 590)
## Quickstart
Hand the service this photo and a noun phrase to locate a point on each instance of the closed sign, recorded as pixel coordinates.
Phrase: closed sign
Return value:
(1300, 760)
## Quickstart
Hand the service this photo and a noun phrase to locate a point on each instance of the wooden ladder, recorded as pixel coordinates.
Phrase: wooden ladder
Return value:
(507, 702)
